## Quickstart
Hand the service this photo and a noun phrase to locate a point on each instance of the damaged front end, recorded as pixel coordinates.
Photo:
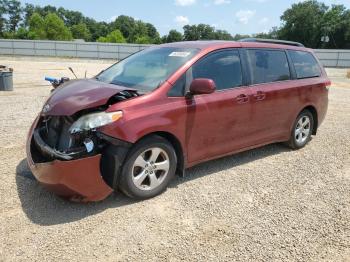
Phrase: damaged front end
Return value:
(72, 158)
(54, 140)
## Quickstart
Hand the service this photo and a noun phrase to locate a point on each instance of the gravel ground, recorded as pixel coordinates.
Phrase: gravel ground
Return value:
(266, 204)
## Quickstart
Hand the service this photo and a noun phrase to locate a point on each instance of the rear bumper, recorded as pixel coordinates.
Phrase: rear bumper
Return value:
(78, 180)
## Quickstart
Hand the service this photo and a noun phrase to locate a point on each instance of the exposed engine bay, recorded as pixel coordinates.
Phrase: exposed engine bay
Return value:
(53, 138)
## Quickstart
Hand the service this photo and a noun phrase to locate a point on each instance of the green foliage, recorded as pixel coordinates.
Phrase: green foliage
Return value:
(307, 22)
(135, 31)
(114, 37)
(173, 36)
(3, 11)
(336, 25)
(28, 10)
(222, 35)
(22, 33)
(36, 27)
(204, 32)
(153, 34)
(14, 11)
(143, 40)
(302, 23)
(10, 16)
(97, 29)
(272, 34)
(51, 28)
(55, 28)
(139, 31)
(71, 18)
(239, 36)
(80, 31)
(198, 32)
(125, 24)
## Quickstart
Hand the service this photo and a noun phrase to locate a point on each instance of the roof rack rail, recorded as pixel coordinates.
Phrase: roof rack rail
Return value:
(271, 41)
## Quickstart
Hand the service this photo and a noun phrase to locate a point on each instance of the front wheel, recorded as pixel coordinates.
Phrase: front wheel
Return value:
(302, 130)
(149, 167)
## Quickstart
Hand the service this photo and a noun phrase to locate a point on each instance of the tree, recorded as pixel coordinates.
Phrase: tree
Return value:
(48, 9)
(173, 36)
(51, 27)
(14, 10)
(153, 34)
(114, 37)
(36, 27)
(239, 37)
(80, 31)
(135, 30)
(97, 29)
(347, 30)
(140, 31)
(143, 40)
(3, 10)
(222, 35)
(204, 32)
(307, 22)
(336, 26)
(125, 24)
(22, 33)
(198, 32)
(302, 23)
(70, 18)
(55, 28)
(272, 34)
(28, 11)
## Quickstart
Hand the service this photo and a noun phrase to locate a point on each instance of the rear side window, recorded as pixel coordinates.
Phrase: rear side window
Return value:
(223, 67)
(268, 66)
(305, 64)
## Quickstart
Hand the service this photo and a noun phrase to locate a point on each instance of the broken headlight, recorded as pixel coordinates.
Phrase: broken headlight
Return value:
(94, 120)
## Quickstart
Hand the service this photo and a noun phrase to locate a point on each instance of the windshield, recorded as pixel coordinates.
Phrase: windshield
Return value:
(146, 70)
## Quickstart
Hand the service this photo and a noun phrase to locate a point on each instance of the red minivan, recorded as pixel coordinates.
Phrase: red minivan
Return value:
(170, 107)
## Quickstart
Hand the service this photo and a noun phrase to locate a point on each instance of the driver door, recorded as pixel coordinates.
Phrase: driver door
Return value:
(218, 123)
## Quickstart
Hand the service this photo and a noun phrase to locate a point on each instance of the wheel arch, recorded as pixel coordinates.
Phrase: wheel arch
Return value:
(175, 142)
(314, 113)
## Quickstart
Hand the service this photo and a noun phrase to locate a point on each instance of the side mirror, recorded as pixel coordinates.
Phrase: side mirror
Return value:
(201, 86)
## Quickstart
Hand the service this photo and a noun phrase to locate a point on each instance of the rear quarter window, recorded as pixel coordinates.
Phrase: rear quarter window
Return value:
(305, 64)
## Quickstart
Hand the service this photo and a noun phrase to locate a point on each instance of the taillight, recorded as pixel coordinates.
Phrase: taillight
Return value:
(328, 84)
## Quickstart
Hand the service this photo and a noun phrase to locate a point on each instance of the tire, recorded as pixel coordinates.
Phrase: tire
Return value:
(302, 130)
(148, 169)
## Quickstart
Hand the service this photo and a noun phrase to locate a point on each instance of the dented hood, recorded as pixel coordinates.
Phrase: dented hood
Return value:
(78, 95)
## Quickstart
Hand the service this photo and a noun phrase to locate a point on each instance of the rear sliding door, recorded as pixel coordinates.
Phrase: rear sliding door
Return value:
(274, 94)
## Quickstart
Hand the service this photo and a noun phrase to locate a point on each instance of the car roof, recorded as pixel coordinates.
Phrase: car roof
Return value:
(218, 44)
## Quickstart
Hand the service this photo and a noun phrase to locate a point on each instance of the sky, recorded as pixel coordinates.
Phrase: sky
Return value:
(235, 16)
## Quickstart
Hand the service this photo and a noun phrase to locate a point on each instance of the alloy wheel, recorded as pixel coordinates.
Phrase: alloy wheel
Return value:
(302, 129)
(150, 168)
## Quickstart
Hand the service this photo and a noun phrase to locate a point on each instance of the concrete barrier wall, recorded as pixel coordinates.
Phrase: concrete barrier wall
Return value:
(330, 58)
(334, 58)
(68, 49)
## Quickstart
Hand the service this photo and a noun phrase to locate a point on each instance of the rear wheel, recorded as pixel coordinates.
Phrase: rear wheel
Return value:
(149, 168)
(302, 130)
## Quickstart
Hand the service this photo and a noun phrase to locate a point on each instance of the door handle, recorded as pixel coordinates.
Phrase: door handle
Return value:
(243, 98)
(259, 96)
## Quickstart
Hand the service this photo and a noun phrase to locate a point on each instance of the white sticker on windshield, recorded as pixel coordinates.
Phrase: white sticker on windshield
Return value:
(180, 54)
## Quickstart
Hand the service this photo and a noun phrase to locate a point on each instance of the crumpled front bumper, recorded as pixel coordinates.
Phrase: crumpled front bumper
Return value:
(79, 180)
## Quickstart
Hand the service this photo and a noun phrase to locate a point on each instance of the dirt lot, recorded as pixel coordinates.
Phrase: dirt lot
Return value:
(266, 204)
